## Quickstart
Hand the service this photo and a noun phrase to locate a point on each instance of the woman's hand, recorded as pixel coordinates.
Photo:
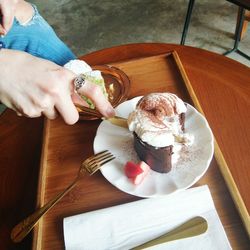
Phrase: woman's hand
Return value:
(35, 87)
(7, 13)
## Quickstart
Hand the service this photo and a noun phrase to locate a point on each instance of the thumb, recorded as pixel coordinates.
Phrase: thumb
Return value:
(2, 30)
(7, 19)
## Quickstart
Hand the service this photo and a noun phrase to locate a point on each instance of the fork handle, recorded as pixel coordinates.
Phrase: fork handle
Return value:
(25, 226)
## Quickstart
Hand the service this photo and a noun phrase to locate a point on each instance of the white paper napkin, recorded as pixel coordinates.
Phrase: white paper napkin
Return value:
(78, 66)
(125, 226)
(81, 67)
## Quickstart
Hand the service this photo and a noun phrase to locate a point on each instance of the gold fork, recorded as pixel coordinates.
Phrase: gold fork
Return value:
(89, 166)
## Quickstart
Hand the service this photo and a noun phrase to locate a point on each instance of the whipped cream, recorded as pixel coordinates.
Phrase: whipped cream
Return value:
(156, 120)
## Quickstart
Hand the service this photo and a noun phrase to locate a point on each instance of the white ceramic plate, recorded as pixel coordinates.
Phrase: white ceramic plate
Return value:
(187, 171)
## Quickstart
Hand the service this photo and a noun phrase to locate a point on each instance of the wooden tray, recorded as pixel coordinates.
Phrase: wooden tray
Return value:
(65, 147)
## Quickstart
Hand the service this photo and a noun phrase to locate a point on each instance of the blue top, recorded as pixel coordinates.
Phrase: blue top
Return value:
(37, 38)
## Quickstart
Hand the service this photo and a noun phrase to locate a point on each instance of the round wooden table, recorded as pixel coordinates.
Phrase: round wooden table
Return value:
(223, 80)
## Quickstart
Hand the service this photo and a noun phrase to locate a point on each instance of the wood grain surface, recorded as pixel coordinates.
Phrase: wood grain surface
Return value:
(223, 88)
(20, 149)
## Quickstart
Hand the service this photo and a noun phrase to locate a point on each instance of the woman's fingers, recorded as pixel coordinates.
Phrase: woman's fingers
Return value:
(2, 30)
(7, 12)
(94, 92)
(78, 100)
(67, 109)
(50, 113)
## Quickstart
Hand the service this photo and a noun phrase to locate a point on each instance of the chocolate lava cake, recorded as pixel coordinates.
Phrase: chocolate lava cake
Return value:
(158, 124)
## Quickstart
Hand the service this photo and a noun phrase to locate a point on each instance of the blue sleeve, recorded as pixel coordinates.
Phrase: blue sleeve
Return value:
(37, 38)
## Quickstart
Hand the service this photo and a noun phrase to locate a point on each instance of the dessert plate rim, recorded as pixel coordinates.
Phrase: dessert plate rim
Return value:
(114, 138)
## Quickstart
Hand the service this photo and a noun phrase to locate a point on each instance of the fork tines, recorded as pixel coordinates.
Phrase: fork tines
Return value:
(95, 162)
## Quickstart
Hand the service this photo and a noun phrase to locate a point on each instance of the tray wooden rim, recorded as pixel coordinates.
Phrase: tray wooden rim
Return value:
(37, 232)
(224, 169)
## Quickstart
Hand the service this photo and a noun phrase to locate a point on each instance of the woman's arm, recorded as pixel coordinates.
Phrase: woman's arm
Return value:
(35, 87)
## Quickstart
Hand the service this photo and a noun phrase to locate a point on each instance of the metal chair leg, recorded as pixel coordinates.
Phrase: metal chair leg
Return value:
(187, 21)
(237, 35)
(238, 31)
